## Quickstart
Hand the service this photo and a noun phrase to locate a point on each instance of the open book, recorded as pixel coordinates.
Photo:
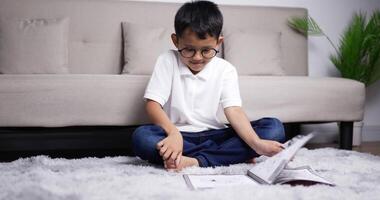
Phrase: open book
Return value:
(272, 170)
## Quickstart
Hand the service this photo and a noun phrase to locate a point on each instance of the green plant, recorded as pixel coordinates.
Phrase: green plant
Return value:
(358, 54)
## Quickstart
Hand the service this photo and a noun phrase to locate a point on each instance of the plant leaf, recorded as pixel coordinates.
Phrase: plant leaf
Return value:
(358, 55)
(348, 61)
(375, 73)
(305, 25)
(314, 29)
(372, 42)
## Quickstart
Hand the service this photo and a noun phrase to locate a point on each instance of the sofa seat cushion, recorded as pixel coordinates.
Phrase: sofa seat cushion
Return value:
(303, 99)
(68, 100)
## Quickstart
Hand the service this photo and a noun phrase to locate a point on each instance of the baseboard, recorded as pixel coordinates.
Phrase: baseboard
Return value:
(329, 132)
(371, 133)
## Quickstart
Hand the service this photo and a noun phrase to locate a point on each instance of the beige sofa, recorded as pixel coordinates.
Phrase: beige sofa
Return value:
(93, 91)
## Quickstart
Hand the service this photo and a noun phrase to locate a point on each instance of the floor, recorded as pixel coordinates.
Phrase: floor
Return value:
(367, 147)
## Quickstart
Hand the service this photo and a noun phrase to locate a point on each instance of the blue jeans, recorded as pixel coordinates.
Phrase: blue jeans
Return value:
(219, 147)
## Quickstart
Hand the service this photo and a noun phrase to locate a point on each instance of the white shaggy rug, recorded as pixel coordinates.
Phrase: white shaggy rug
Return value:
(357, 176)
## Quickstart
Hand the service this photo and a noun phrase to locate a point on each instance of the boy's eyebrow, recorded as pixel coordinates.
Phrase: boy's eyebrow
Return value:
(191, 46)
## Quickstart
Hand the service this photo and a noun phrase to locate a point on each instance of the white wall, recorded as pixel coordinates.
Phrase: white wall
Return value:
(332, 16)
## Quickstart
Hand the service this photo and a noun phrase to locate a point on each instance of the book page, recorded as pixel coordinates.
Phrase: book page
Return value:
(213, 181)
(304, 173)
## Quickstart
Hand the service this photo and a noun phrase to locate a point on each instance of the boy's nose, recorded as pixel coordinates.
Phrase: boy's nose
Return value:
(198, 55)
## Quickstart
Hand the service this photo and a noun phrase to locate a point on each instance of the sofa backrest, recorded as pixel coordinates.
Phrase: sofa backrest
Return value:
(95, 34)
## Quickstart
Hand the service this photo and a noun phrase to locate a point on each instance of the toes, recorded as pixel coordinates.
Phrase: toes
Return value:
(169, 165)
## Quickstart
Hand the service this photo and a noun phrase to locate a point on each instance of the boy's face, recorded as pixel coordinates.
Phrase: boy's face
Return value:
(190, 41)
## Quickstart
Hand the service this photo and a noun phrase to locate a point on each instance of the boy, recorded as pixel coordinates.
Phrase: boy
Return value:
(187, 90)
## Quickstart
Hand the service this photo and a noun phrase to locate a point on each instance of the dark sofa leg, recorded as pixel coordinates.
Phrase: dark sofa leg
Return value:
(292, 129)
(346, 132)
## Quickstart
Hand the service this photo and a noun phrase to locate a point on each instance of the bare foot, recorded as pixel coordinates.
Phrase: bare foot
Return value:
(185, 162)
(169, 164)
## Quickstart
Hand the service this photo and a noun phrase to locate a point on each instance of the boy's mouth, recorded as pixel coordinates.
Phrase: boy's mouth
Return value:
(196, 63)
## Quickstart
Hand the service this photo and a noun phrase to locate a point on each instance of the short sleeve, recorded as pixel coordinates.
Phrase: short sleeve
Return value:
(160, 82)
(230, 88)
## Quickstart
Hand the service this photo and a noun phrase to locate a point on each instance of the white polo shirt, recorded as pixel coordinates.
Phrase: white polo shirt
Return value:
(193, 102)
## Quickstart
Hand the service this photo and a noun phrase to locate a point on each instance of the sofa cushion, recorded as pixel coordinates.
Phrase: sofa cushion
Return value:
(29, 46)
(302, 99)
(254, 52)
(142, 46)
(59, 100)
(55, 100)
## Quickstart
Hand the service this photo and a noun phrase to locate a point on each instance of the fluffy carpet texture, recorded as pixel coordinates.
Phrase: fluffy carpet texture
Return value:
(357, 176)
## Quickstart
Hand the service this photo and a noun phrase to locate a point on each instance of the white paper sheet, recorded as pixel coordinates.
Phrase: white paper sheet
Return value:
(213, 181)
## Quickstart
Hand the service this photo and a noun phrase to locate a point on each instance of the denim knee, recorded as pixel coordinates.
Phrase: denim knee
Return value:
(274, 129)
(144, 140)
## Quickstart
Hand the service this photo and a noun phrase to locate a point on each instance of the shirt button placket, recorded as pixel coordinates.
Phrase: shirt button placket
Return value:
(192, 88)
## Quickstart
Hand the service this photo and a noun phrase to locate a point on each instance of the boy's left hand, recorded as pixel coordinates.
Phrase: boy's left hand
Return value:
(267, 147)
(170, 149)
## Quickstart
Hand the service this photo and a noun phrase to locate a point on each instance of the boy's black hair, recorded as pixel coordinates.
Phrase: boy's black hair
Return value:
(202, 17)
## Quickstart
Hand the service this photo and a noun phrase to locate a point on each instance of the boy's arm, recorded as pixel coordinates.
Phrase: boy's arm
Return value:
(240, 123)
(159, 117)
(171, 147)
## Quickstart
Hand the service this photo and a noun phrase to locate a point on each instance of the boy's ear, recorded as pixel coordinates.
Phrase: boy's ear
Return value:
(220, 40)
(174, 39)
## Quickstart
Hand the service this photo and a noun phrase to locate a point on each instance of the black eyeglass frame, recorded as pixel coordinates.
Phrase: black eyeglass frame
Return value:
(195, 51)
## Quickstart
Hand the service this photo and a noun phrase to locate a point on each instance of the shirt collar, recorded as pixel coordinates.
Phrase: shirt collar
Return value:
(203, 75)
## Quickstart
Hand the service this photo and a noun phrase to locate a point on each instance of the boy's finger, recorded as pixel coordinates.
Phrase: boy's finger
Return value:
(172, 162)
(278, 149)
(281, 145)
(167, 154)
(178, 159)
(173, 156)
(163, 150)
(159, 145)
(179, 155)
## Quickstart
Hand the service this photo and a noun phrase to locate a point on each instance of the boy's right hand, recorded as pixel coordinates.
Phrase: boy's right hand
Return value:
(267, 147)
(171, 148)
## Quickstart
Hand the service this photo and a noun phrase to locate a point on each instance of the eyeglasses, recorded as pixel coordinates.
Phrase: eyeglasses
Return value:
(206, 53)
